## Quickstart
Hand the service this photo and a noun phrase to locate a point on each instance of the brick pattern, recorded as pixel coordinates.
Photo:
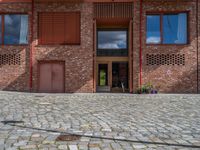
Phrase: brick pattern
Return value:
(165, 59)
(172, 79)
(198, 46)
(10, 59)
(79, 58)
(15, 77)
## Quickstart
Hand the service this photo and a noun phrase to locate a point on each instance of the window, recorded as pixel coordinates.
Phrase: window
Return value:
(14, 29)
(112, 42)
(153, 29)
(167, 29)
(59, 28)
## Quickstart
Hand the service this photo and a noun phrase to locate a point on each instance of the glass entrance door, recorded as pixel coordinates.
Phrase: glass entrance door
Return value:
(119, 76)
(103, 75)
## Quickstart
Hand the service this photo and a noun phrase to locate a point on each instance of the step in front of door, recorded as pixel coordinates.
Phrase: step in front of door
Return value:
(103, 89)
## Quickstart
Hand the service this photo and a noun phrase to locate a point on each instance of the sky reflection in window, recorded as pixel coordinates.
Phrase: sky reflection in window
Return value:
(112, 39)
(153, 29)
(16, 29)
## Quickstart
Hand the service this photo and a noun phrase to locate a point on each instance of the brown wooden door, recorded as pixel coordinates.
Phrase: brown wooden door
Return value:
(51, 77)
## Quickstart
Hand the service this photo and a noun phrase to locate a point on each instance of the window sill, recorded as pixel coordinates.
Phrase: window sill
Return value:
(38, 45)
(112, 56)
(14, 45)
(167, 44)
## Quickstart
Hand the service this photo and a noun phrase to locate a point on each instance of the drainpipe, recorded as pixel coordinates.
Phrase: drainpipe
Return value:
(141, 16)
(31, 48)
(94, 55)
(197, 28)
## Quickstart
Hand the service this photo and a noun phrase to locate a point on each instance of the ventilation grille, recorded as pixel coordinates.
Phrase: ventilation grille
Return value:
(165, 59)
(10, 59)
(113, 10)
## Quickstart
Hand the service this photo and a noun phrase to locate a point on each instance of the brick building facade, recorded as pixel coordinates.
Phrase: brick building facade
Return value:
(84, 66)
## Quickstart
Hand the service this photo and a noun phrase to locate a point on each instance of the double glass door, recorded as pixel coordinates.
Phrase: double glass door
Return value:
(113, 75)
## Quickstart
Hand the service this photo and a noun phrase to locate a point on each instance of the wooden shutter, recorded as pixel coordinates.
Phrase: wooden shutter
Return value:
(72, 21)
(46, 28)
(113, 10)
(59, 28)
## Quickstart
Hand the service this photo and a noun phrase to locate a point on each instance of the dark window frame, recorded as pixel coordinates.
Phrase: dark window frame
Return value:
(2, 28)
(113, 49)
(161, 14)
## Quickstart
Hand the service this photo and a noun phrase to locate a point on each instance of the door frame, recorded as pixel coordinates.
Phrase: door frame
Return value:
(109, 72)
(49, 61)
(109, 61)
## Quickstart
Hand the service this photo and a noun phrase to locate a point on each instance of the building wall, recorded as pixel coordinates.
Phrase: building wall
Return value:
(171, 78)
(79, 58)
(15, 77)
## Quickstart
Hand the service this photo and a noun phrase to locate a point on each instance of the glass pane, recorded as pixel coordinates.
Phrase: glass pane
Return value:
(112, 39)
(16, 29)
(0, 29)
(175, 29)
(153, 35)
(103, 73)
(120, 75)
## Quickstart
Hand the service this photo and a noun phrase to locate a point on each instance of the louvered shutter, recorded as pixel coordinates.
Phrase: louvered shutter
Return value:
(72, 24)
(45, 28)
(59, 28)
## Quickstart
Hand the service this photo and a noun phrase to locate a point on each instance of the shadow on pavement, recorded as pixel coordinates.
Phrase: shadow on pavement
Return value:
(16, 124)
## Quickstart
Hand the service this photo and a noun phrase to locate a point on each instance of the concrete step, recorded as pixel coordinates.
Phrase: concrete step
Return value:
(103, 89)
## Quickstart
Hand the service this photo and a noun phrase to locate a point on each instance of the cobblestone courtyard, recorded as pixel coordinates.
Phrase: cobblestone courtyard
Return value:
(99, 121)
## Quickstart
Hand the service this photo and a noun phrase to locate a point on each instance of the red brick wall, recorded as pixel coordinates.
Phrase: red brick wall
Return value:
(136, 46)
(169, 79)
(15, 77)
(79, 58)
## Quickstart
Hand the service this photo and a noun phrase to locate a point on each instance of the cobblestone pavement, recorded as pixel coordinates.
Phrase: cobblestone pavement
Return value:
(103, 121)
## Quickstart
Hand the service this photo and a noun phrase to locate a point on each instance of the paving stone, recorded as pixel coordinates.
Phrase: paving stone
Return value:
(103, 121)
(63, 147)
(139, 146)
(20, 143)
(28, 147)
(73, 147)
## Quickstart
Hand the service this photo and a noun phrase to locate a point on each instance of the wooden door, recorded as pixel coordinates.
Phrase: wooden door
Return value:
(51, 77)
(57, 78)
(45, 78)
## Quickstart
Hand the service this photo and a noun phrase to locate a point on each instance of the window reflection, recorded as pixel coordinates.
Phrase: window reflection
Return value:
(175, 29)
(112, 39)
(16, 29)
(153, 29)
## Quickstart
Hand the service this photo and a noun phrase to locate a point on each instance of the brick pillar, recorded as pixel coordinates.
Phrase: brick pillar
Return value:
(136, 48)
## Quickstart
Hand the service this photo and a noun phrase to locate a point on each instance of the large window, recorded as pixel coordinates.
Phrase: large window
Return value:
(14, 29)
(59, 28)
(112, 42)
(167, 29)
